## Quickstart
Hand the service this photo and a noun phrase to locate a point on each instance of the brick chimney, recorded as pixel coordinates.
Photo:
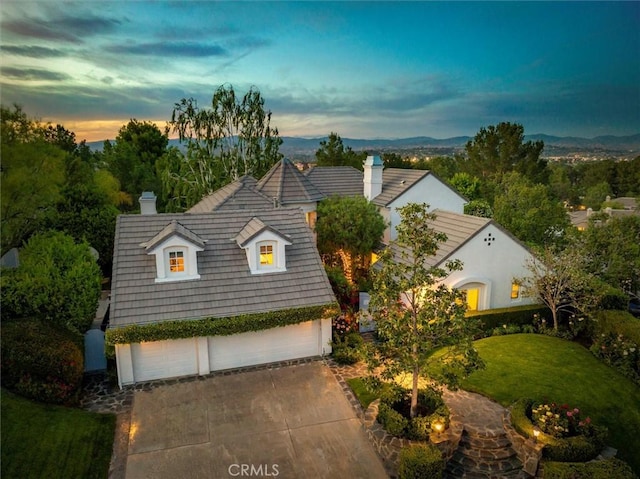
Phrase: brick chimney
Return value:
(147, 203)
(373, 167)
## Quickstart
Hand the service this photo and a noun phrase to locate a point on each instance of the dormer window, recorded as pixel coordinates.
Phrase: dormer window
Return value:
(266, 253)
(264, 246)
(175, 249)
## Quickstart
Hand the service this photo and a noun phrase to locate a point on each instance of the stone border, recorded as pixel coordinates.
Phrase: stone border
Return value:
(529, 452)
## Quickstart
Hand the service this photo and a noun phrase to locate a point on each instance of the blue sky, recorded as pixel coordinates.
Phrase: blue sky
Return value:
(361, 69)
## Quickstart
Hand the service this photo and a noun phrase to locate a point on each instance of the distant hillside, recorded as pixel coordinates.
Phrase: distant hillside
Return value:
(306, 147)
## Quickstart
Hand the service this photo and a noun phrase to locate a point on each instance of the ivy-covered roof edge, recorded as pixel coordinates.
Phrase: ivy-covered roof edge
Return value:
(191, 328)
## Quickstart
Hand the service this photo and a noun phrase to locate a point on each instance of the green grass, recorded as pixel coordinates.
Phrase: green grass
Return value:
(52, 441)
(362, 392)
(547, 368)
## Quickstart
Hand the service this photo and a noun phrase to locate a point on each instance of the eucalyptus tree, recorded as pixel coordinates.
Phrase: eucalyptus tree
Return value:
(230, 139)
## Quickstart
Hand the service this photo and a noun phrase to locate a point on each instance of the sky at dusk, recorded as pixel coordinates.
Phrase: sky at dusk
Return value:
(360, 69)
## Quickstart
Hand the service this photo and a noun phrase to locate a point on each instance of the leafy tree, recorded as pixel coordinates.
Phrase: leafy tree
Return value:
(443, 166)
(611, 251)
(350, 227)
(231, 139)
(500, 149)
(529, 212)
(558, 280)
(132, 158)
(415, 312)
(596, 195)
(57, 280)
(32, 174)
(332, 152)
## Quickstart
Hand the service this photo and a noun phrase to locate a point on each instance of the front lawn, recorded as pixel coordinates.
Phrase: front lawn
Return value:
(52, 441)
(547, 368)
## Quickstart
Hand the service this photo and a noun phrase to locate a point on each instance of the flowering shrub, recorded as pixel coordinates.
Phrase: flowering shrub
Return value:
(344, 324)
(618, 352)
(560, 420)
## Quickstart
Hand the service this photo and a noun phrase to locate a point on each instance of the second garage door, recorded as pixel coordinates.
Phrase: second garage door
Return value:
(164, 359)
(277, 344)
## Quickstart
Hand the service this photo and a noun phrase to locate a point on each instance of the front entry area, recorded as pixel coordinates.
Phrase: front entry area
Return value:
(477, 295)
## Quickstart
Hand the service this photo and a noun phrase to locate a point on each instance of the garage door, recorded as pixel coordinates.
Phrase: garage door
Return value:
(260, 347)
(164, 359)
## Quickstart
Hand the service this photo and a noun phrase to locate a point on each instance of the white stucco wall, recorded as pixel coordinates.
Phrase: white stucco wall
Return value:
(428, 190)
(492, 266)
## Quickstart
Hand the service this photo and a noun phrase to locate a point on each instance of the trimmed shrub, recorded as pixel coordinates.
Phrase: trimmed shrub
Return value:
(617, 342)
(347, 350)
(519, 315)
(613, 299)
(618, 322)
(420, 461)
(612, 468)
(41, 361)
(393, 413)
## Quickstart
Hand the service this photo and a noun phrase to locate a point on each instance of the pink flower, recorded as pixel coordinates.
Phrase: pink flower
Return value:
(576, 411)
(569, 414)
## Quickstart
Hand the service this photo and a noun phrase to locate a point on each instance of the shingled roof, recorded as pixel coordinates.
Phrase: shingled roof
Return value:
(288, 185)
(240, 194)
(226, 286)
(336, 180)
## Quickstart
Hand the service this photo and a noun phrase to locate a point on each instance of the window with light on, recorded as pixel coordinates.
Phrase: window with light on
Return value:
(176, 261)
(515, 290)
(266, 255)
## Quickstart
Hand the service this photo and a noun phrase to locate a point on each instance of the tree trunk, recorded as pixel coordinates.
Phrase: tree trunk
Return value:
(347, 263)
(414, 391)
(554, 313)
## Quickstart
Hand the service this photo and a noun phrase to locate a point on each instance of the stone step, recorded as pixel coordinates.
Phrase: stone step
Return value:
(510, 465)
(495, 454)
(476, 441)
(459, 473)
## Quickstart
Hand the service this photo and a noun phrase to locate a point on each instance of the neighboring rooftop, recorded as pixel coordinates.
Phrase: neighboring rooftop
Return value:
(240, 194)
(288, 185)
(226, 286)
(336, 180)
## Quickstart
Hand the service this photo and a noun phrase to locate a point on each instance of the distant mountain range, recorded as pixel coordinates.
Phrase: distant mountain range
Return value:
(304, 147)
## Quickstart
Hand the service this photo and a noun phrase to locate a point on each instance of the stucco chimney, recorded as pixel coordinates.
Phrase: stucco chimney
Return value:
(372, 177)
(147, 203)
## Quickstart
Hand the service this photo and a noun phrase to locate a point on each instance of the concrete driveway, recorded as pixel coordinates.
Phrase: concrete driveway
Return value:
(292, 422)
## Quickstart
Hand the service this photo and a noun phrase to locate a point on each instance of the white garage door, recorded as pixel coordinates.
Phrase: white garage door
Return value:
(260, 347)
(164, 359)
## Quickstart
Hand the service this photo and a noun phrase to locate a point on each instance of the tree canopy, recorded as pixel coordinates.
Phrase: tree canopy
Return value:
(230, 139)
(415, 312)
(350, 227)
(332, 152)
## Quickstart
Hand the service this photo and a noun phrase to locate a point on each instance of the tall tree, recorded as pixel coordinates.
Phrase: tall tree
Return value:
(231, 139)
(32, 174)
(332, 152)
(350, 227)
(132, 158)
(499, 149)
(529, 212)
(415, 312)
(558, 279)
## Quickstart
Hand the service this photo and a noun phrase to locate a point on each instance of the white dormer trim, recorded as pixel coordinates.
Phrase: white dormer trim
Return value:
(176, 244)
(267, 239)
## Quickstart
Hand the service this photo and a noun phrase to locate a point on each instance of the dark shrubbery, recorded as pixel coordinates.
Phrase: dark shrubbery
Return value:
(41, 361)
(607, 469)
(616, 341)
(613, 299)
(347, 348)
(393, 413)
(516, 316)
(420, 461)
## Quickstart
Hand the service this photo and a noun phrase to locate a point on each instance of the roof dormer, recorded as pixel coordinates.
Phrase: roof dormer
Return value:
(264, 246)
(175, 249)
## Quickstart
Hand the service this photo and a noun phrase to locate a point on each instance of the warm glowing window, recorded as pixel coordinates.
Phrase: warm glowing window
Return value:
(515, 291)
(473, 296)
(176, 261)
(311, 217)
(266, 255)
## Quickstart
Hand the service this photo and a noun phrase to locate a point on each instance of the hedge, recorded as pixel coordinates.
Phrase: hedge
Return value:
(420, 461)
(618, 322)
(612, 468)
(517, 315)
(41, 361)
(192, 328)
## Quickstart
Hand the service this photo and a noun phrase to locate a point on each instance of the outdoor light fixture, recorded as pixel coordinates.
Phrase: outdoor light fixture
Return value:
(536, 433)
(438, 426)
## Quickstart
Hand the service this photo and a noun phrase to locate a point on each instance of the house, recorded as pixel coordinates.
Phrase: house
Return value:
(205, 291)
(491, 259)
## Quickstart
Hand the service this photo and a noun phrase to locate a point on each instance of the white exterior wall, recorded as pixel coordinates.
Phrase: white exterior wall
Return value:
(429, 190)
(494, 267)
